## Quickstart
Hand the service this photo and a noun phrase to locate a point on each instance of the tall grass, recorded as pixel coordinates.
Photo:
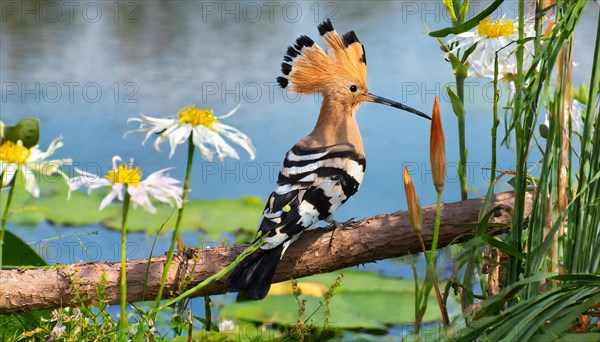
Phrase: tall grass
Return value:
(562, 232)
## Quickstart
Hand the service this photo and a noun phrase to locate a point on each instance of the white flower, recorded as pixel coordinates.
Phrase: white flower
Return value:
(226, 325)
(157, 185)
(204, 127)
(29, 161)
(492, 37)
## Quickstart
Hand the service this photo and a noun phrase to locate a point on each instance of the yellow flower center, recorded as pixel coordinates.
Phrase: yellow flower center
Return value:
(496, 29)
(125, 175)
(196, 117)
(13, 153)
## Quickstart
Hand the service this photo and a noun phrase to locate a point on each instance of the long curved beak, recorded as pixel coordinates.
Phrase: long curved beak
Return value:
(392, 103)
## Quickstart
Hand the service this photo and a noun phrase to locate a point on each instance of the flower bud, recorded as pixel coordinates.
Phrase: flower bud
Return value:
(414, 207)
(450, 8)
(437, 148)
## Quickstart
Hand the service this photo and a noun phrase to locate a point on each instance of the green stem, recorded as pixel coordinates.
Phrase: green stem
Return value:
(514, 263)
(417, 297)
(462, 163)
(436, 227)
(495, 122)
(123, 284)
(170, 254)
(6, 211)
(207, 313)
(215, 276)
(431, 262)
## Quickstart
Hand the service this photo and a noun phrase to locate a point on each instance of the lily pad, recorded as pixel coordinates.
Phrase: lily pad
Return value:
(364, 300)
(211, 216)
(20, 212)
(214, 217)
(79, 210)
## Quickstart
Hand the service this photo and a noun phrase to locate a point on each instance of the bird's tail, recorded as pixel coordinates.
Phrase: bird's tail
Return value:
(254, 277)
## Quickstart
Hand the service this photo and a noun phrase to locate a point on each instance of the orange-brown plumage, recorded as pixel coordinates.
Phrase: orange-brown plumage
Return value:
(310, 69)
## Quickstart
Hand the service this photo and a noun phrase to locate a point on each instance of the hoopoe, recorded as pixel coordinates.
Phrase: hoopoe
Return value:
(327, 166)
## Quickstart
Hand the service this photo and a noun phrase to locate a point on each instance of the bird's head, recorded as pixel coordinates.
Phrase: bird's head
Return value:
(340, 76)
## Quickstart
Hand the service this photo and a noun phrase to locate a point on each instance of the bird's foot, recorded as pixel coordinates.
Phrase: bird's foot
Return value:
(337, 225)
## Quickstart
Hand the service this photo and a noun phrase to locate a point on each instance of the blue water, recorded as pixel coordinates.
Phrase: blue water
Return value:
(89, 70)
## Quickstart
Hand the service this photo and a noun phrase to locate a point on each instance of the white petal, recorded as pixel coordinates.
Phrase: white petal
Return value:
(117, 191)
(140, 197)
(9, 173)
(222, 148)
(39, 155)
(179, 136)
(230, 113)
(239, 138)
(161, 122)
(31, 183)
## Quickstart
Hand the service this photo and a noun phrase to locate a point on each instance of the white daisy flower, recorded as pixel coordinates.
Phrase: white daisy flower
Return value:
(204, 127)
(157, 185)
(491, 37)
(226, 325)
(29, 162)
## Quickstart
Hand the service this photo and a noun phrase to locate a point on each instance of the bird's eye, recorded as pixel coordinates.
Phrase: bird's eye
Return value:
(353, 88)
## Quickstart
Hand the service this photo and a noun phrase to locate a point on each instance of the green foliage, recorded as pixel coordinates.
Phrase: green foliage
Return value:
(14, 254)
(26, 130)
(562, 232)
(85, 323)
(528, 319)
(466, 26)
(17, 253)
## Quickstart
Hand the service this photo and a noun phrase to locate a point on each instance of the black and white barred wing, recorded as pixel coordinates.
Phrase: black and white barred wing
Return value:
(312, 184)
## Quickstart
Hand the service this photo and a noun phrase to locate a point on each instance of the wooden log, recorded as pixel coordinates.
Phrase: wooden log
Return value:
(368, 240)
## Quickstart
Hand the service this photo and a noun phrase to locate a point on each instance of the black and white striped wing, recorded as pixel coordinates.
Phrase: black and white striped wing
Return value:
(312, 184)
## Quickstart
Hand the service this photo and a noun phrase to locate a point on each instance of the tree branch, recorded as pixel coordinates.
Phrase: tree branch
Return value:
(370, 239)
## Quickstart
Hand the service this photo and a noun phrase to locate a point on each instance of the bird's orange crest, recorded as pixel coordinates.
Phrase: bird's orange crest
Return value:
(310, 69)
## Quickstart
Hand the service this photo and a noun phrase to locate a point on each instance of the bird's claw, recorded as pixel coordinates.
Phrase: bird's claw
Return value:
(338, 225)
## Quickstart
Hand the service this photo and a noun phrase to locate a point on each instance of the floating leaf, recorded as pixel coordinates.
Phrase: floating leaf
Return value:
(212, 216)
(365, 300)
(20, 212)
(80, 210)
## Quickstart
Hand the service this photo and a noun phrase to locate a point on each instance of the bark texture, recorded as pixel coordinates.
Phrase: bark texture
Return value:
(370, 239)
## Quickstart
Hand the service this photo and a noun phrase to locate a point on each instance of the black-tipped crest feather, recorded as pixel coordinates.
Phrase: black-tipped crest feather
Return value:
(292, 52)
(325, 27)
(349, 38)
(303, 41)
(283, 82)
(308, 68)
